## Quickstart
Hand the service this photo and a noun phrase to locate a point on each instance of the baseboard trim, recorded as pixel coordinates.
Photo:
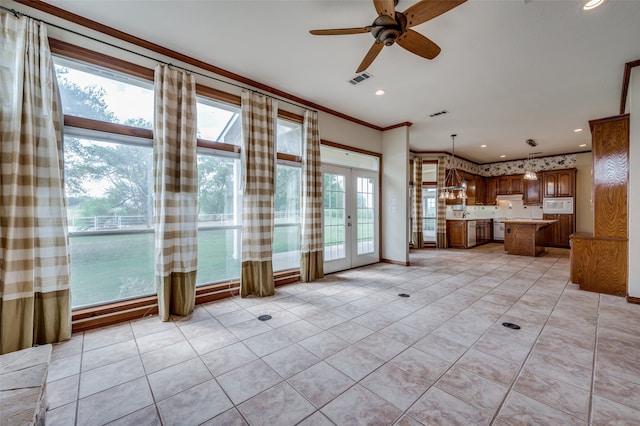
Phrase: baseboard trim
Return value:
(396, 262)
(631, 299)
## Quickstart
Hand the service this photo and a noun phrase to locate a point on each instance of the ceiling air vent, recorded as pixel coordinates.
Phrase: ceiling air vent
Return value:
(435, 114)
(360, 78)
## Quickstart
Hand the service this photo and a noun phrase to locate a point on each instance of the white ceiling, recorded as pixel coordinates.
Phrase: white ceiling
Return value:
(509, 70)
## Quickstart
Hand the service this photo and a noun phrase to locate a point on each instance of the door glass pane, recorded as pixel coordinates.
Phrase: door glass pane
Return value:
(334, 216)
(365, 215)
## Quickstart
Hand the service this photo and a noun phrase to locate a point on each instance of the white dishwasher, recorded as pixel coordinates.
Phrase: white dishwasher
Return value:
(498, 230)
(471, 233)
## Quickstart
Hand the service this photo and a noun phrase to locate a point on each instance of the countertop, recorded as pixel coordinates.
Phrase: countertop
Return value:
(466, 219)
(530, 221)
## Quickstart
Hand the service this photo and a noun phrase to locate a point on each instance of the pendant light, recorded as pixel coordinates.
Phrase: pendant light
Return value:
(454, 188)
(529, 173)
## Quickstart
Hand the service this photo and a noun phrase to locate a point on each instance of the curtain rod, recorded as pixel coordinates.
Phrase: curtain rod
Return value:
(19, 14)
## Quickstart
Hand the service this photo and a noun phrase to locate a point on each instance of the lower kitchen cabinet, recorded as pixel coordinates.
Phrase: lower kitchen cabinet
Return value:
(457, 233)
(484, 231)
(557, 235)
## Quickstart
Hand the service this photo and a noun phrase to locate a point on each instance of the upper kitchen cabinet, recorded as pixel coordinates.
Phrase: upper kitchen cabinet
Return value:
(559, 183)
(508, 185)
(532, 194)
(471, 188)
(481, 191)
(490, 191)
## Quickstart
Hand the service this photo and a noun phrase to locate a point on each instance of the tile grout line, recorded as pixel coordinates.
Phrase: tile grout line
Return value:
(517, 375)
(593, 365)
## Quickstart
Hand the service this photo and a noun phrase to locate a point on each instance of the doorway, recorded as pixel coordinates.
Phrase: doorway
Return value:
(350, 218)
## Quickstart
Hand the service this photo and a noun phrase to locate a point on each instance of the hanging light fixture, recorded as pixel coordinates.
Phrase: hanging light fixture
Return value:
(454, 187)
(529, 173)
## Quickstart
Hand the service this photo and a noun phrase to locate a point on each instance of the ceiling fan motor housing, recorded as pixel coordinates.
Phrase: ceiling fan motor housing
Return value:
(386, 29)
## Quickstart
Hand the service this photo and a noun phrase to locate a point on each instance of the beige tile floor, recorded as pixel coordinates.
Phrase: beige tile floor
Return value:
(348, 350)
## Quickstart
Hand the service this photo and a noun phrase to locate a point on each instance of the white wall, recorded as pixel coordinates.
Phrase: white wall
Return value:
(634, 183)
(336, 129)
(394, 209)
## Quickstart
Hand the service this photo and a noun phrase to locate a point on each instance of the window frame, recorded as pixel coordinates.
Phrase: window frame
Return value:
(86, 318)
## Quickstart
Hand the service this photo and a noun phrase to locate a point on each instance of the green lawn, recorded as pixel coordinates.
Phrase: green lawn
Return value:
(105, 268)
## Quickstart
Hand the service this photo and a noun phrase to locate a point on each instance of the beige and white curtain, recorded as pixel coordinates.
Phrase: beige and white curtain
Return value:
(441, 220)
(416, 209)
(176, 191)
(312, 244)
(35, 305)
(259, 120)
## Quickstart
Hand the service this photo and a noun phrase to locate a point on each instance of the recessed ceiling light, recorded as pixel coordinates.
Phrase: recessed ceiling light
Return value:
(502, 156)
(592, 4)
(582, 145)
(483, 146)
(380, 92)
(577, 130)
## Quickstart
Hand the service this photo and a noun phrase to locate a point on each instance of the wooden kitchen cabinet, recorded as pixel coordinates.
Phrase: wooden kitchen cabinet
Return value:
(457, 233)
(532, 194)
(508, 185)
(471, 188)
(610, 190)
(484, 231)
(559, 183)
(557, 234)
(490, 191)
(481, 190)
(599, 261)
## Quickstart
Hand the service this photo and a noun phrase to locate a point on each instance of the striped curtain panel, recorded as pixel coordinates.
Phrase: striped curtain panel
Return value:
(176, 191)
(259, 121)
(312, 244)
(416, 210)
(441, 228)
(35, 305)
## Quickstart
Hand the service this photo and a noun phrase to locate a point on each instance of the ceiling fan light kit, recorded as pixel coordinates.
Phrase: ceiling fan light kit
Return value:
(392, 27)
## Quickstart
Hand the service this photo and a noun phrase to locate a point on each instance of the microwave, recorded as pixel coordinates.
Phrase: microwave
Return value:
(560, 205)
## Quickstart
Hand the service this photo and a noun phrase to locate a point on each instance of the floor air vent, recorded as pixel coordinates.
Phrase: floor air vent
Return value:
(360, 78)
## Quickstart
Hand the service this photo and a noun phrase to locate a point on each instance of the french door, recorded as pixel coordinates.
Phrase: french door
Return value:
(350, 218)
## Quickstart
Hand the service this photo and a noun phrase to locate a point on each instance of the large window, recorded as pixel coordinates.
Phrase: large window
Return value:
(429, 213)
(109, 185)
(286, 238)
(89, 91)
(219, 218)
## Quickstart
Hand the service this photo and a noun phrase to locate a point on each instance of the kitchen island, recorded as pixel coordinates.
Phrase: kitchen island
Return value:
(525, 237)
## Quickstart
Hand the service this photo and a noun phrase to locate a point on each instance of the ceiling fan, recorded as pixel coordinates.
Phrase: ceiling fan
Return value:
(392, 26)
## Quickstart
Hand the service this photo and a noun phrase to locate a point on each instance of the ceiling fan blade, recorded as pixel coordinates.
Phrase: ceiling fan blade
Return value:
(341, 31)
(416, 43)
(370, 56)
(385, 7)
(428, 9)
